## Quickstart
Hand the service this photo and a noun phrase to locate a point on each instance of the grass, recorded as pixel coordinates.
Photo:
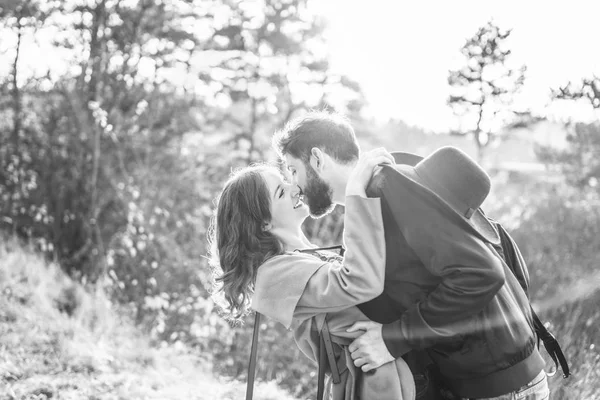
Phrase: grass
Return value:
(94, 353)
(557, 229)
(60, 341)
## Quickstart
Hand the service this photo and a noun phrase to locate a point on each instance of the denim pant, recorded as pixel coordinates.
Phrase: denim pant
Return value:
(537, 389)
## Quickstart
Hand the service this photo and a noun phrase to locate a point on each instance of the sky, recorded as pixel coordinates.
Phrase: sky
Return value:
(400, 51)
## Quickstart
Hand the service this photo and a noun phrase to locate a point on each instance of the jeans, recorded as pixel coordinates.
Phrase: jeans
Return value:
(537, 389)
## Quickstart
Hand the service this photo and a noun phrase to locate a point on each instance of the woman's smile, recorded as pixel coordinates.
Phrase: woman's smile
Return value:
(285, 195)
(299, 199)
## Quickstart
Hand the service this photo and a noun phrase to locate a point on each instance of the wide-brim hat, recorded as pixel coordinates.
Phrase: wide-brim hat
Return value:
(455, 181)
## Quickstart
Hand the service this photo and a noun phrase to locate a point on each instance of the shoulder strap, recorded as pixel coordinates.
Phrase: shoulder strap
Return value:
(510, 255)
(552, 346)
(321, 371)
(550, 343)
(252, 364)
(326, 336)
(326, 356)
(338, 247)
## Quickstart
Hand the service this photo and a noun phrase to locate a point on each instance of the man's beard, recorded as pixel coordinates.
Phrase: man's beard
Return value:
(317, 194)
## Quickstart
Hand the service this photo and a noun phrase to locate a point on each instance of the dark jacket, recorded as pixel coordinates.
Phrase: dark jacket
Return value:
(451, 293)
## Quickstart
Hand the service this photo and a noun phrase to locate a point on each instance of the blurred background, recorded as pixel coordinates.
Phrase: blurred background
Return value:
(121, 119)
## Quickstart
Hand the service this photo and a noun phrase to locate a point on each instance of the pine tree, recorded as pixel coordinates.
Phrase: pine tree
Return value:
(483, 89)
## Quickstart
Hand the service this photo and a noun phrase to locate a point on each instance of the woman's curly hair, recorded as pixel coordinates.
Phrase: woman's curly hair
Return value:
(237, 241)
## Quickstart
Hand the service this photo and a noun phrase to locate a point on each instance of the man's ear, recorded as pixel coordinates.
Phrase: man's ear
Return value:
(317, 159)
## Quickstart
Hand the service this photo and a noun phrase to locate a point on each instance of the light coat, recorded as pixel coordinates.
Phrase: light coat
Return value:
(300, 290)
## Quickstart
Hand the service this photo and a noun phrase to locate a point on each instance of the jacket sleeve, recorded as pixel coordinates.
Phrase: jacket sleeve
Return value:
(470, 273)
(513, 257)
(360, 277)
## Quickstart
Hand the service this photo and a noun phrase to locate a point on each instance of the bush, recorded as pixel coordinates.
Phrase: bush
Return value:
(557, 229)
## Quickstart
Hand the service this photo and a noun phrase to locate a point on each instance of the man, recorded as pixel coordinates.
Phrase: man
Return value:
(447, 289)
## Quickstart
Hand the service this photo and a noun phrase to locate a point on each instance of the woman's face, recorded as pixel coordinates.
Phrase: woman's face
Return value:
(287, 211)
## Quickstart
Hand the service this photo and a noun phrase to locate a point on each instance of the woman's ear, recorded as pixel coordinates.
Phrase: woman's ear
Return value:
(317, 158)
(267, 226)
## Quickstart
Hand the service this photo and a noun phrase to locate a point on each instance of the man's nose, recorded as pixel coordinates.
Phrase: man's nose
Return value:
(295, 190)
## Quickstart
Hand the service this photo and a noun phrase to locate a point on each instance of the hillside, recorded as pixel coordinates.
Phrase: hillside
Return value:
(93, 354)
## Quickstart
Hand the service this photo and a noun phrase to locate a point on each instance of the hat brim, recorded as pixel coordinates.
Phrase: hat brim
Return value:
(478, 221)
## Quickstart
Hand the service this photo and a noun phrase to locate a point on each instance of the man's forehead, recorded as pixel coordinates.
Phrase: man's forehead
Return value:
(291, 161)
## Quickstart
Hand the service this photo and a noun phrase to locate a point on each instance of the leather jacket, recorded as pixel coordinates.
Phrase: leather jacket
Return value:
(450, 293)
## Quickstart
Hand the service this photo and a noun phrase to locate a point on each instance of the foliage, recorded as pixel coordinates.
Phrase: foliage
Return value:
(556, 226)
(587, 91)
(110, 160)
(279, 359)
(111, 155)
(580, 161)
(482, 90)
(94, 353)
(557, 231)
(271, 64)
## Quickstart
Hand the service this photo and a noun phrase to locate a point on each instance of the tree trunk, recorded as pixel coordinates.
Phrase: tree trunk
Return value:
(252, 132)
(16, 93)
(95, 60)
(480, 147)
(477, 136)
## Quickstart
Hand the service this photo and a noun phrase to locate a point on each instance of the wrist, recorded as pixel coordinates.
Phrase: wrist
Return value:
(394, 340)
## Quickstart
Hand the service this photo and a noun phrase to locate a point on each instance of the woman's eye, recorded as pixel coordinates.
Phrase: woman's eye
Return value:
(281, 193)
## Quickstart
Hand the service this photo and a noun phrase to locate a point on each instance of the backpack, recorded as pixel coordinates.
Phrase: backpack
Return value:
(513, 257)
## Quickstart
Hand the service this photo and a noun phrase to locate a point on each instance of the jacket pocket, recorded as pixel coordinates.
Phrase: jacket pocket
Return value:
(470, 356)
(449, 348)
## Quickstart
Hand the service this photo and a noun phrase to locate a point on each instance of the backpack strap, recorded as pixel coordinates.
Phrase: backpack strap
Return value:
(314, 251)
(550, 343)
(326, 337)
(252, 364)
(321, 370)
(552, 346)
(326, 355)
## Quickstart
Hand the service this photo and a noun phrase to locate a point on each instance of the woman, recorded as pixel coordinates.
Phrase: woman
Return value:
(256, 240)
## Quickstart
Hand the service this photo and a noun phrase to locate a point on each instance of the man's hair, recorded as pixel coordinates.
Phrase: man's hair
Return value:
(330, 132)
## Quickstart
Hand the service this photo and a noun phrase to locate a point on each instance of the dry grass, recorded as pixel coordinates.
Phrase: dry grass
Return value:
(95, 353)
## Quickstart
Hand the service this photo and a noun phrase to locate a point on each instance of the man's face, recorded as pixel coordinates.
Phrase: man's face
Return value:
(317, 194)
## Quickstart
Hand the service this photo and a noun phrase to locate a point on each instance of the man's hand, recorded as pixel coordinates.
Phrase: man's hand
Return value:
(368, 350)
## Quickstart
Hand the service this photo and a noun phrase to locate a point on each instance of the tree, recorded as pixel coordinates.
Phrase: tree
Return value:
(588, 90)
(580, 161)
(270, 60)
(483, 89)
(119, 155)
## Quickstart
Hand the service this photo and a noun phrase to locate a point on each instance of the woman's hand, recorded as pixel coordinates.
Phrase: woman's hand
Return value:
(363, 171)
